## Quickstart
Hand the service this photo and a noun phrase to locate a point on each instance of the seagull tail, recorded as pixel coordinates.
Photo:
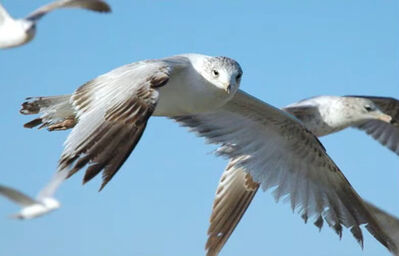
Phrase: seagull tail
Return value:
(57, 112)
(16, 216)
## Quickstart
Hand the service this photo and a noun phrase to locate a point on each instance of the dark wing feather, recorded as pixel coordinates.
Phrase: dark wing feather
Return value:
(113, 111)
(234, 193)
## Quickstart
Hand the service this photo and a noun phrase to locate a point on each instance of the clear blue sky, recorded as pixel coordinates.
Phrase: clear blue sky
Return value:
(159, 202)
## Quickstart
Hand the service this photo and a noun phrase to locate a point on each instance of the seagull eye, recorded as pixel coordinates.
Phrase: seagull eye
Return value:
(368, 108)
(238, 77)
(215, 73)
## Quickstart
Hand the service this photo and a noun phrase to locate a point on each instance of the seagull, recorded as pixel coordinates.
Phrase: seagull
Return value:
(44, 202)
(322, 115)
(108, 115)
(16, 32)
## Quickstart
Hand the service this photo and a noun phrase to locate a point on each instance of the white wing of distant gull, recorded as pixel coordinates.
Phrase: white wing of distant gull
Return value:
(16, 32)
(43, 204)
(275, 150)
(321, 115)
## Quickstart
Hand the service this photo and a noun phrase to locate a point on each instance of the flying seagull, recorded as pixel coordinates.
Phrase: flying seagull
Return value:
(378, 116)
(44, 202)
(16, 32)
(108, 115)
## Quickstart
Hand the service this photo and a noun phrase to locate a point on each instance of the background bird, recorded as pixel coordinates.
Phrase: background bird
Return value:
(16, 32)
(44, 202)
(322, 115)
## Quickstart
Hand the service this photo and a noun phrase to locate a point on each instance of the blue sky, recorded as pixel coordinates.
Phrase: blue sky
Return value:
(159, 202)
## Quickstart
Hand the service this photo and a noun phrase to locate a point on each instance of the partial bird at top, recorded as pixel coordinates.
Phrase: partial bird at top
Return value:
(322, 115)
(43, 204)
(109, 114)
(16, 32)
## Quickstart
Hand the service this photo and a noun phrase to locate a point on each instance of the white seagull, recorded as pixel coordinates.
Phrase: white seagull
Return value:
(16, 32)
(109, 114)
(323, 115)
(44, 202)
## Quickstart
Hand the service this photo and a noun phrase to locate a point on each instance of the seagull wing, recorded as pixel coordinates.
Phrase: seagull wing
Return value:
(234, 193)
(94, 5)
(277, 151)
(16, 196)
(113, 110)
(303, 112)
(387, 221)
(52, 186)
(386, 134)
(3, 14)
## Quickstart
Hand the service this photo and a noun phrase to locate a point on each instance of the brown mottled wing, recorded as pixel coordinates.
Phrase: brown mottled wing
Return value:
(278, 152)
(386, 134)
(93, 5)
(56, 112)
(234, 193)
(113, 111)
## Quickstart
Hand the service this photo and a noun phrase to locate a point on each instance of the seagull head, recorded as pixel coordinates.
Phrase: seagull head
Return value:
(223, 72)
(364, 109)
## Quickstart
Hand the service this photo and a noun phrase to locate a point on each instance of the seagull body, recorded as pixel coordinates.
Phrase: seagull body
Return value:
(16, 32)
(108, 115)
(321, 115)
(43, 204)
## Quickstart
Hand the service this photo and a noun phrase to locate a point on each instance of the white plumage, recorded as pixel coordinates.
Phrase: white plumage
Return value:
(321, 115)
(16, 32)
(44, 202)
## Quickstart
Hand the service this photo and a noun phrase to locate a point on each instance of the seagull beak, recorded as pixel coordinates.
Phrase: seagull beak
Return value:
(385, 118)
(227, 88)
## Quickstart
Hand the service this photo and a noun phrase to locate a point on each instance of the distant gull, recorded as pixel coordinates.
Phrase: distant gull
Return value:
(43, 204)
(378, 116)
(109, 114)
(16, 32)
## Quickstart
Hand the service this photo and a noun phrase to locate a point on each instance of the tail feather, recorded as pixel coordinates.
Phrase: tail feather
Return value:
(57, 113)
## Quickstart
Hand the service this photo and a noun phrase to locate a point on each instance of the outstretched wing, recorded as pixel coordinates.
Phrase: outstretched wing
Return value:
(234, 193)
(16, 196)
(94, 5)
(52, 186)
(113, 110)
(386, 134)
(3, 14)
(277, 151)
